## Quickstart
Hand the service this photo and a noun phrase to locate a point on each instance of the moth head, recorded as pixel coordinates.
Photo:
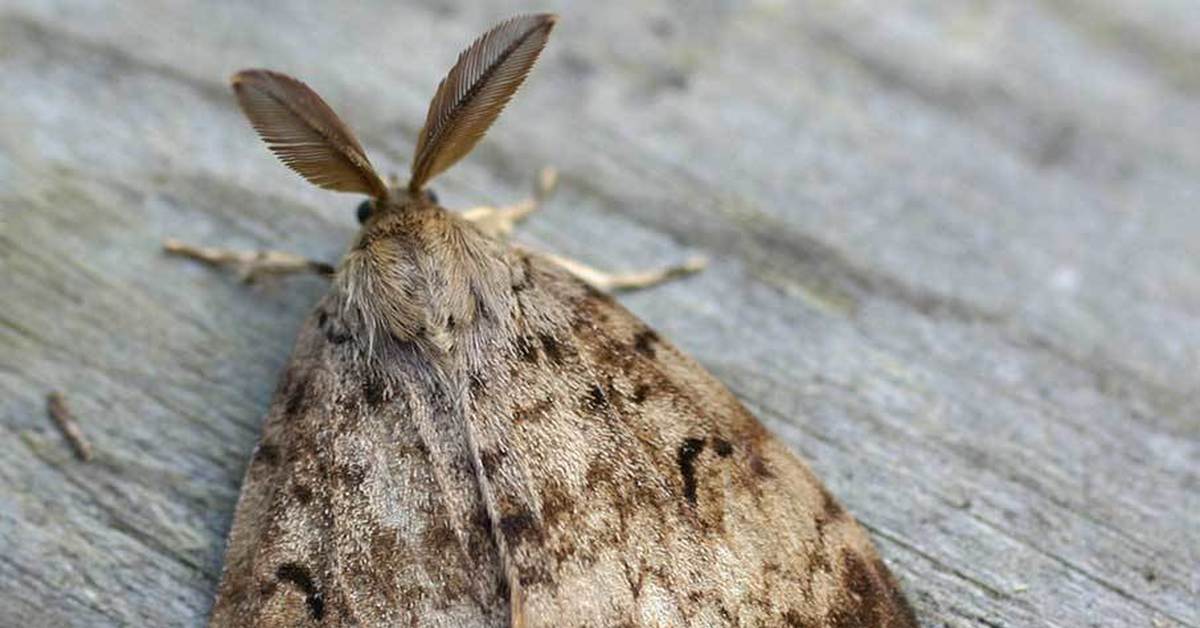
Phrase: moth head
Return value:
(397, 200)
(305, 133)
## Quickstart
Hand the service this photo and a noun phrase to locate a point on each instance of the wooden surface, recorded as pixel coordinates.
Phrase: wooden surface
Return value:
(956, 263)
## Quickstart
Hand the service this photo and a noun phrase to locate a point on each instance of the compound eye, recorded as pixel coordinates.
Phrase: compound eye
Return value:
(364, 211)
(431, 195)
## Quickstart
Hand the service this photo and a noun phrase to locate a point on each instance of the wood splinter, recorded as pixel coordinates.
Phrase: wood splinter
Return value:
(56, 407)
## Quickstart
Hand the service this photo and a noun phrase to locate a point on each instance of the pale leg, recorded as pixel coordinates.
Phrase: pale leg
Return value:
(250, 265)
(498, 222)
(615, 282)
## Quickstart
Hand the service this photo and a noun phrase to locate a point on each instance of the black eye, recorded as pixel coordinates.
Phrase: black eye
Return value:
(364, 211)
(431, 195)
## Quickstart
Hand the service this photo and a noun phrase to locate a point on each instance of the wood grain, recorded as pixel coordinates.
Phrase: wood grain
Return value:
(955, 265)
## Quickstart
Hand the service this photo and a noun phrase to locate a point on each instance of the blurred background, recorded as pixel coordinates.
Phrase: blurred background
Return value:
(955, 258)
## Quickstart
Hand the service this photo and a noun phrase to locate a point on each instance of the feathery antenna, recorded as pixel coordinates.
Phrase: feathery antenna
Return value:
(305, 133)
(475, 91)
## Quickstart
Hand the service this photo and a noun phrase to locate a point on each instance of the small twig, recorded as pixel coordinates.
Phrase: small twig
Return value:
(56, 406)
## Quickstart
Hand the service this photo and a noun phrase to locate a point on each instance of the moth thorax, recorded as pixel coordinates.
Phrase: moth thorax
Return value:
(414, 283)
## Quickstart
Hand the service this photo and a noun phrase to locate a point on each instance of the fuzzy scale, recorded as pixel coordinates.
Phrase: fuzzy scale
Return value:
(467, 435)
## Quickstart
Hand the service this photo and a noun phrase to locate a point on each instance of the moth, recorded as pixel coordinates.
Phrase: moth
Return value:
(468, 433)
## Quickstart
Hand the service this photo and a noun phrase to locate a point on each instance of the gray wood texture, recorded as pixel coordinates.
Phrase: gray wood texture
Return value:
(955, 246)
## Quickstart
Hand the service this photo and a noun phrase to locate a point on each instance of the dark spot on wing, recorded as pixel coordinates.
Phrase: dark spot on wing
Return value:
(526, 351)
(265, 453)
(517, 526)
(438, 395)
(491, 459)
(831, 510)
(302, 493)
(353, 474)
(534, 575)
(295, 391)
(858, 605)
(374, 389)
(335, 332)
(551, 347)
(645, 341)
(525, 281)
(483, 521)
(596, 294)
(900, 614)
(592, 312)
(557, 504)
(477, 381)
(636, 577)
(439, 536)
(599, 472)
(539, 410)
(607, 351)
(385, 544)
(759, 466)
(870, 596)
(640, 393)
(595, 401)
(299, 575)
(688, 451)
(722, 447)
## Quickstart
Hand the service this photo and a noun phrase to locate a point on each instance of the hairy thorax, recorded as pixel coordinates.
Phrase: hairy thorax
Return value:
(417, 273)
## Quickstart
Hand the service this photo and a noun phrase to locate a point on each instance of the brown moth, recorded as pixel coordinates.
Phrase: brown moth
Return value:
(470, 435)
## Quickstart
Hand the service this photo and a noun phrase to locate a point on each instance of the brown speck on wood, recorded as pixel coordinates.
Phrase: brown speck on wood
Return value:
(56, 407)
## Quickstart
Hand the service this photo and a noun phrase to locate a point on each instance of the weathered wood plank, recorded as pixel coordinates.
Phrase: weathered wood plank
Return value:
(955, 249)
